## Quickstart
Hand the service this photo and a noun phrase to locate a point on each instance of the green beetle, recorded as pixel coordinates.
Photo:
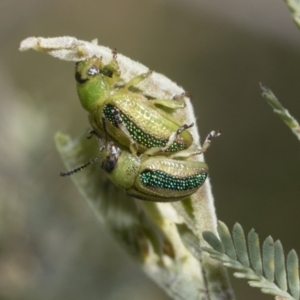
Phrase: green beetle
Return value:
(153, 178)
(134, 121)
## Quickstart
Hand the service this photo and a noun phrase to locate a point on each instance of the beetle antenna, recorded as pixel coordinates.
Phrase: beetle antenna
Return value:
(71, 172)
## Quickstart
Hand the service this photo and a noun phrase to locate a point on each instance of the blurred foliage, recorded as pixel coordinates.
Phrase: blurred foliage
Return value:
(281, 111)
(50, 244)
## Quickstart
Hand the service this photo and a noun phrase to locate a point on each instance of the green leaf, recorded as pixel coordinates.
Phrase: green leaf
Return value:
(278, 108)
(268, 258)
(226, 240)
(294, 6)
(254, 252)
(271, 262)
(240, 244)
(293, 273)
(213, 241)
(280, 272)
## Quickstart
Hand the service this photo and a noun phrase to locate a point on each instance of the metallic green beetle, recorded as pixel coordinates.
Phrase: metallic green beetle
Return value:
(153, 178)
(134, 121)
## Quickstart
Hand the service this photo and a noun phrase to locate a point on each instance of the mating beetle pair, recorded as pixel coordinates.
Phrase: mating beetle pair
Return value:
(145, 148)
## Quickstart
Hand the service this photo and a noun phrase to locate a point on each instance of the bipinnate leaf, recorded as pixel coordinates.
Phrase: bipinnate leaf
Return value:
(264, 269)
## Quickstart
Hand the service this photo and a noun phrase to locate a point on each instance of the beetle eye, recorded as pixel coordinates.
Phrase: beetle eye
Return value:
(92, 71)
(109, 163)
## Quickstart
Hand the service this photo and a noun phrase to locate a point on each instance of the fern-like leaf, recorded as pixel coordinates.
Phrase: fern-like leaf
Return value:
(263, 268)
(279, 109)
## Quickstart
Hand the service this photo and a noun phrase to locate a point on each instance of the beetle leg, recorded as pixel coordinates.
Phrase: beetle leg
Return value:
(207, 142)
(135, 80)
(177, 101)
(172, 138)
(133, 145)
(188, 153)
(175, 134)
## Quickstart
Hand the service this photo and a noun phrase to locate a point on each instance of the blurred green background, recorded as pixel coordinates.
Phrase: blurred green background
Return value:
(51, 246)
